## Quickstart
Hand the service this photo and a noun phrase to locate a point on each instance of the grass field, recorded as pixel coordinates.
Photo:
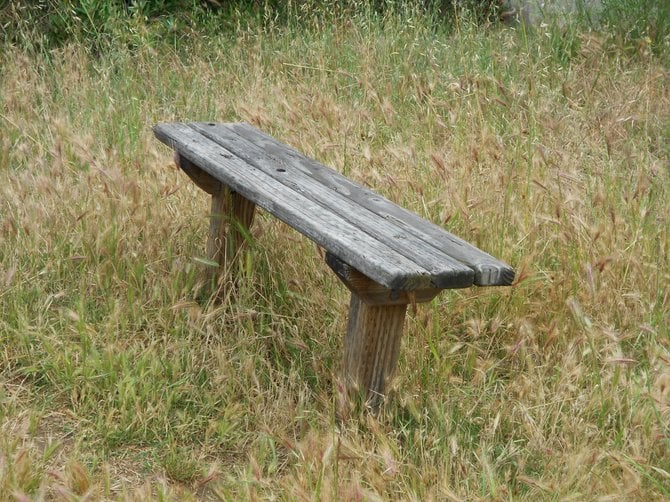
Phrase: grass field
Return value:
(549, 149)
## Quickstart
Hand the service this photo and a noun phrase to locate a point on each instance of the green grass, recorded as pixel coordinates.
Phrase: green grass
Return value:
(119, 378)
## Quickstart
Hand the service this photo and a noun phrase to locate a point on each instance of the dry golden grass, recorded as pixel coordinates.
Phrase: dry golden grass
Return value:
(119, 379)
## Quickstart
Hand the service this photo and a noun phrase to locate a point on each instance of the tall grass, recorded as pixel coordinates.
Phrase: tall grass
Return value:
(548, 148)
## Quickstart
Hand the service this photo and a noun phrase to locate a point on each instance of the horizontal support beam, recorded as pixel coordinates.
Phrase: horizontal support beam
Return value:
(203, 180)
(373, 293)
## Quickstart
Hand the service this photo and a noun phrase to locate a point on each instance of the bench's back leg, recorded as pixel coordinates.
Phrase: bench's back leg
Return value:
(230, 221)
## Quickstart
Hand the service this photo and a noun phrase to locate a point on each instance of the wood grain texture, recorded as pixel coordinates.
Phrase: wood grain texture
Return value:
(386, 256)
(445, 272)
(373, 293)
(488, 271)
(326, 228)
(352, 221)
(230, 222)
(372, 347)
(218, 230)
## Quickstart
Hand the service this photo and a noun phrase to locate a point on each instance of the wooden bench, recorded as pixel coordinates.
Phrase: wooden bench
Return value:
(387, 256)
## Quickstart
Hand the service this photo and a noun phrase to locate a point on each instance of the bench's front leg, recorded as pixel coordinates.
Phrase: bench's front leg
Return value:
(372, 347)
(230, 220)
(374, 331)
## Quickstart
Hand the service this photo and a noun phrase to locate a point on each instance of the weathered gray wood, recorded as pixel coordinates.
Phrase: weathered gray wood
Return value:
(386, 256)
(445, 271)
(371, 257)
(488, 270)
(371, 348)
(373, 293)
(230, 222)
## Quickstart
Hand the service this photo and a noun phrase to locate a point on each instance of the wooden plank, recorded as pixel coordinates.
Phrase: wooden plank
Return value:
(488, 270)
(343, 239)
(445, 271)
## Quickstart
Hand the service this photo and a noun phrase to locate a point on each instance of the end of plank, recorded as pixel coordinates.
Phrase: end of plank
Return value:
(493, 275)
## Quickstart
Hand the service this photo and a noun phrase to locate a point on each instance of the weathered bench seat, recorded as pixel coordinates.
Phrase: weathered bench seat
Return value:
(387, 256)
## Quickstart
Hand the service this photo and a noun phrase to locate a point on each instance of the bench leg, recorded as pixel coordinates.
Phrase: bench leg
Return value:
(230, 221)
(372, 347)
(376, 320)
